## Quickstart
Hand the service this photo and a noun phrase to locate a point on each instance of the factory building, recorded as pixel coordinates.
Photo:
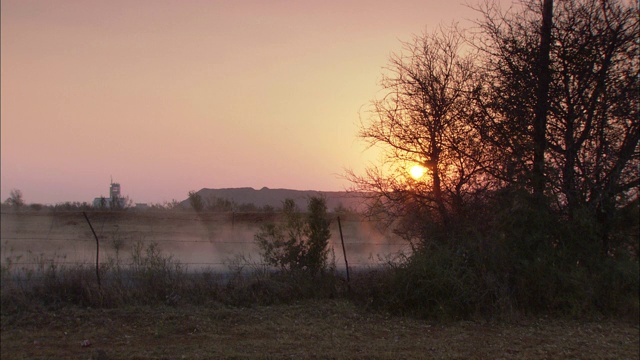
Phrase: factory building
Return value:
(114, 201)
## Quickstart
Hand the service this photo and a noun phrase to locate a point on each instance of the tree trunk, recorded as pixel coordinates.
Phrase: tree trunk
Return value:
(542, 104)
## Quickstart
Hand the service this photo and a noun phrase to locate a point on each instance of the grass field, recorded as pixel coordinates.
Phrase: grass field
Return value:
(195, 240)
(324, 329)
(135, 315)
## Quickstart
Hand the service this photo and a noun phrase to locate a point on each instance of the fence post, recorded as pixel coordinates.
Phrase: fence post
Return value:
(344, 252)
(97, 249)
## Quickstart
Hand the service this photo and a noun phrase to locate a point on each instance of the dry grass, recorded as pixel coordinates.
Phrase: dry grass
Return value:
(333, 329)
(311, 329)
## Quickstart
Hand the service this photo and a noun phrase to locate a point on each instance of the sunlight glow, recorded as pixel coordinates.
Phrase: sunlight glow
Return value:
(417, 171)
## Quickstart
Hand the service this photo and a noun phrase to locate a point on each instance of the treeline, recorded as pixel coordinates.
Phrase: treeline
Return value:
(528, 128)
(200, 204)
(527, 125)
(212, 205)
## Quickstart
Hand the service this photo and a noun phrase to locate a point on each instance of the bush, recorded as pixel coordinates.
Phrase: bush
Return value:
(196, 202)
(434, 283)
(299, 244)
(512, 257)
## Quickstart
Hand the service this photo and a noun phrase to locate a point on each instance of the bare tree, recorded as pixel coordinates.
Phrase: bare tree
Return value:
(595, 121)
(508, 42)
(542, 100)
(422, 119)
(580, 134)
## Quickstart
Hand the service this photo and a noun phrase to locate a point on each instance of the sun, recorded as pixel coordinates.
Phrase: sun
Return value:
(417, 171)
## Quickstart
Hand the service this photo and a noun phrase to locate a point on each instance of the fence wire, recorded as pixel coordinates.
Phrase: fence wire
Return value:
(34, 239)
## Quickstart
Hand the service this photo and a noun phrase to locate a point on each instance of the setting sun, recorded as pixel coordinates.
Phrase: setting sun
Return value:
(417, 171)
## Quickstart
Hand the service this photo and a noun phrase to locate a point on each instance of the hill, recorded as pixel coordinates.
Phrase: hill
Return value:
(275, 197)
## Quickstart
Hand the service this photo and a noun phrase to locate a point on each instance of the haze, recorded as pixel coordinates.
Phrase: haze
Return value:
(170, 96)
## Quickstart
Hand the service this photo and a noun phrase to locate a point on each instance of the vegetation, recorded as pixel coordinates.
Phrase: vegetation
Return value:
(147, 297)
(527, 214)
(196, 202)
(299, 244)
(328, 329)
(529, 131)
(215, 204)
(15, 199)
(147, 276)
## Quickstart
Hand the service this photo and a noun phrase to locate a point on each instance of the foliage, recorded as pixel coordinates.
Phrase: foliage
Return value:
(35, 207)
(215, 204)
(71, 206)
(15, 199)
(532, 162)
(173, 205)
(422, 118)
(509, 258)
(148, 277)
(196, 202)
(592, 134)
(489, 236)
(220, 205)
(300, 242)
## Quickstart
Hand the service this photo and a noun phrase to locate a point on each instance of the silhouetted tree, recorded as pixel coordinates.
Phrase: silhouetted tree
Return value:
(102, 204)
(15, 199)
(196, 202)
(532, 194)
(591, 126)
(423, 119)
(300, 243)
(542, 100)
(221, 205)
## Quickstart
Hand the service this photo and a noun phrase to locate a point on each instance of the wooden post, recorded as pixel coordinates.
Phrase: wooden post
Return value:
(344, 251)
(97, 249)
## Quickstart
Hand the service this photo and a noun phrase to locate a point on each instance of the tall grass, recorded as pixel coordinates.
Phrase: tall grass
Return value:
(519, 262)
(147, 276)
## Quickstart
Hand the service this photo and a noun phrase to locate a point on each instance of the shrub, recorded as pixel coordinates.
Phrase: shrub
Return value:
(300, 243)
(196, 202)
(512, 256)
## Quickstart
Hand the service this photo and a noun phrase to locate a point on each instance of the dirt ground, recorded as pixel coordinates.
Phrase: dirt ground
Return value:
(315, 329)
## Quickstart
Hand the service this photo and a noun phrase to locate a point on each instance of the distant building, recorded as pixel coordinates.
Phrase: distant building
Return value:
(142, 206)
(114, 201)
(114, 190)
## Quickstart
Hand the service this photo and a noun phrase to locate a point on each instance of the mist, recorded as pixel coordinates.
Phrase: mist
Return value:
(214, 241)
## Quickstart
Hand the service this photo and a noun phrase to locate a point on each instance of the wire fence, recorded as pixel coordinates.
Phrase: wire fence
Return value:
(215, 241)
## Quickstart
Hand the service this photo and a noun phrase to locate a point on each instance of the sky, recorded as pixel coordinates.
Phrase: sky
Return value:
(168, 96)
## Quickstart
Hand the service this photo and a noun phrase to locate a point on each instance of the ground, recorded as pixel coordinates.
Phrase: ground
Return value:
(327, 329)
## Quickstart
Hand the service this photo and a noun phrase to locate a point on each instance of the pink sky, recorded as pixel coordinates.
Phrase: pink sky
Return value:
(171, 96)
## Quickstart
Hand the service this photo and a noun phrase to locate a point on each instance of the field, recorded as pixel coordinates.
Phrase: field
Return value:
(328, 329)
(206, 240)
(44, 249)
